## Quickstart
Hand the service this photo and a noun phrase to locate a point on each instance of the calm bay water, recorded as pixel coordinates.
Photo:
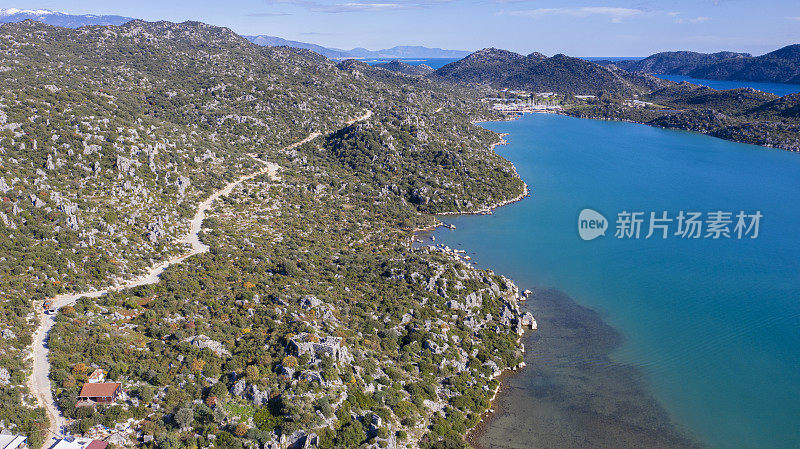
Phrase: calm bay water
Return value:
(435, 63)
(779, 89)
(709, 328)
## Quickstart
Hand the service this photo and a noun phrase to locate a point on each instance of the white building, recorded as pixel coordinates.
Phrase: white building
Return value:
(13, 442)
(79, 443)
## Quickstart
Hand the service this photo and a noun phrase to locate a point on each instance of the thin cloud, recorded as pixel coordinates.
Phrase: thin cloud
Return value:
(362, 6)
(614, 13)
(267, 14)
(695, 20)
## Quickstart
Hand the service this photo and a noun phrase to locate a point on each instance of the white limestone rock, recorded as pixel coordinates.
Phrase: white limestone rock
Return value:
(205, 342)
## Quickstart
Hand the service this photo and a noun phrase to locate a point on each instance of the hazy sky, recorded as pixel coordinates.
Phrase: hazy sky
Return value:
(578, 28)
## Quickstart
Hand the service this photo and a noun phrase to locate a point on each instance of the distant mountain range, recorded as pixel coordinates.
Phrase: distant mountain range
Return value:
(75, 21)
(511, 69)
(779, 66)
(59, 18)
(272, 41)
(405, 51)
(538, 73)
(398, 52)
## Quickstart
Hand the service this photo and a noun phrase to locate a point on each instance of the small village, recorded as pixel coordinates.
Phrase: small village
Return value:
(511, 101)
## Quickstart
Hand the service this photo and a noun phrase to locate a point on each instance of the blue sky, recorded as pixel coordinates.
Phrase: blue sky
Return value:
(578, 28)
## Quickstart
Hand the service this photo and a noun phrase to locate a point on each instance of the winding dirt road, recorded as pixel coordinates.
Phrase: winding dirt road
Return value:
(39, 381)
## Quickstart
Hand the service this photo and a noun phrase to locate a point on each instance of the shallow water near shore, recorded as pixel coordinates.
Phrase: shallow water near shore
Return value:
(704, 343)
(571, 394)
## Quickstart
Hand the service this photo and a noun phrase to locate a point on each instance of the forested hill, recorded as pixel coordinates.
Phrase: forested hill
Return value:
(779, 66)
(405, 68)
(743, 115)
(674, 62)
(538, 73)
(110, 136)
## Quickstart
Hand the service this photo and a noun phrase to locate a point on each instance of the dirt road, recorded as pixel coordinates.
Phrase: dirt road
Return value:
(39, 381)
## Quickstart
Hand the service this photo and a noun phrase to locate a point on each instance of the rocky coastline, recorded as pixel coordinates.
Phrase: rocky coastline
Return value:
(526, 320)
(487, 210)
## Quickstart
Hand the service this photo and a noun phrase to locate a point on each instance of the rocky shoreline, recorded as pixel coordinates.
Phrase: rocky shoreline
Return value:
(474, 433)
(525, 319)
(742, 134)
(484, 210)
(487, 210)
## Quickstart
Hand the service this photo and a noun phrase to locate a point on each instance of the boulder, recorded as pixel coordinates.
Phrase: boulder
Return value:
(310, 302)
(238, 388)
(529, 320)
(205, 342)
(257, 396)
(182, 183)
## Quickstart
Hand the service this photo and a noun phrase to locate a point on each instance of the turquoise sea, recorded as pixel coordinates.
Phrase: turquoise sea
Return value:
(435, 63)
(706, 333)
(779, 89)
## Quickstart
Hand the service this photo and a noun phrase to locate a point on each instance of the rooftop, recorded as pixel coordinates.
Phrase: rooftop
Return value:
(76, 443)
(11, 441)
(99, 390)
(97, 444)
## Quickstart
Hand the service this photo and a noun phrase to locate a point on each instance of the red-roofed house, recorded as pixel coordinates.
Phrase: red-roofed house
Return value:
(97, 444)
(71, 442)
(103, 393)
